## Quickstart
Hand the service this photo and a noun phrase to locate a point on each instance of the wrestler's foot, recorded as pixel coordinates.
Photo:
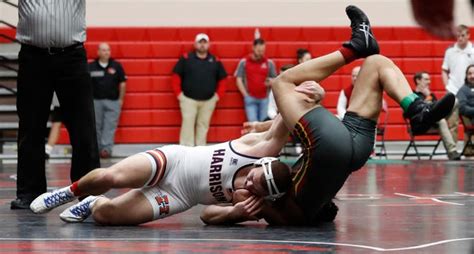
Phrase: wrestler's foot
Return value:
(49, 200)
(80, 211)
(423, 115)
(362, 42)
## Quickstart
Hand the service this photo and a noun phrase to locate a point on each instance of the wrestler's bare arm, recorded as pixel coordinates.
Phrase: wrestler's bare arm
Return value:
(245, 210)
(256, 127)
(267, 143)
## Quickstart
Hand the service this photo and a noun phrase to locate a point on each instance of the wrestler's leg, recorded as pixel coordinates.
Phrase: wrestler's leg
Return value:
(291, 104)
(376, 75)
(133, 172)
(131, 208)
(361, 44)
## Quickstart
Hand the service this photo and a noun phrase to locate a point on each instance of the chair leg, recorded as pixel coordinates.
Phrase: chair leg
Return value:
(416, 150)
(383, 151)
(408, 148)
(436, 147)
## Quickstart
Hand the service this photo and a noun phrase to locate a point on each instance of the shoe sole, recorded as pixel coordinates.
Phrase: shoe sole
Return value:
(69, 220)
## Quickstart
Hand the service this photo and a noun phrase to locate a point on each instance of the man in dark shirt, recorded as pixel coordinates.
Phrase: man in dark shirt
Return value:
(422, 82)
(108, 78)
(199, 82)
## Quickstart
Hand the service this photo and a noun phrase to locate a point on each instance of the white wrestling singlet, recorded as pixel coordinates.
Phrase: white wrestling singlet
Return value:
(193, 175)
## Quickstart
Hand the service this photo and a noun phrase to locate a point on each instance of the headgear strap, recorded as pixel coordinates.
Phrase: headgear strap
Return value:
(266, 164)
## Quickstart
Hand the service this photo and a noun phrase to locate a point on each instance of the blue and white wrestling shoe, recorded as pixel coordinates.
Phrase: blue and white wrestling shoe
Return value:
(80, 211)
(49, 200)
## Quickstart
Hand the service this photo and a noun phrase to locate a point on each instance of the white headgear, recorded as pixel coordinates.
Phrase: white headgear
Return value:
(266, 164)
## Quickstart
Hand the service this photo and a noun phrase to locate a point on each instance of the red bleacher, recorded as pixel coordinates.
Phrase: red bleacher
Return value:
(151, 112)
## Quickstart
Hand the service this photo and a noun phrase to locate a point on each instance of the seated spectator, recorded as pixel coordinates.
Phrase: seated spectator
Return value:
(302, 55)
(466, 102)
(56, 121)
(108, 79)
(254, 74)
(422, 82)
(345, 94)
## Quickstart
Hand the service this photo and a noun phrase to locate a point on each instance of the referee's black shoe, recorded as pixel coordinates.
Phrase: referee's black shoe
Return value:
(21, 203)
(424, 115)
(362, 40)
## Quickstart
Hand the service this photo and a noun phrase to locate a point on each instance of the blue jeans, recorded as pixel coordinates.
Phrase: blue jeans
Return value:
(256, 109)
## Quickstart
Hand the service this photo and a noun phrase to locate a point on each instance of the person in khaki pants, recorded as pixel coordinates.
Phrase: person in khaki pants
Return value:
(423, 81)
(199, 82)
(456, 58)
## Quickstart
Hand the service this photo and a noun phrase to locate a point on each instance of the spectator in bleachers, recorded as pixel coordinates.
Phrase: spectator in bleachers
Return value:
(302, 55)
(254, 74)
(345, 94)
(466, 102)
(52, 59)
(198, 82)
(108, 79)
(422, 81)
(456, 60)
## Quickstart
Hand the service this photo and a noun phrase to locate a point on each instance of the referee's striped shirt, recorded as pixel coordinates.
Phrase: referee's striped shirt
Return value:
(51, 23)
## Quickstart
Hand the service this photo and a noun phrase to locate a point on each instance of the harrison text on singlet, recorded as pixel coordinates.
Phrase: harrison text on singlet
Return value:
(215, 179)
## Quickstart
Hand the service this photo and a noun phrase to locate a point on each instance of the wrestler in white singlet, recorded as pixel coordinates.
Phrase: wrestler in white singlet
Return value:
(193, 175)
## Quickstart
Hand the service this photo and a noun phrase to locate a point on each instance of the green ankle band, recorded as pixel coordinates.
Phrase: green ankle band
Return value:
(405, 103)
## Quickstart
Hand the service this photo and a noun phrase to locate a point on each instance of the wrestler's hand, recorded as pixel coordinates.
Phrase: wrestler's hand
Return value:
(240, 195)
(248, 208)
(314, 92)
(249, 127)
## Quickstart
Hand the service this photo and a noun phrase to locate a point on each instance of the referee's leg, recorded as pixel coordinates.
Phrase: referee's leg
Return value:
(74, 90)
(33, 105)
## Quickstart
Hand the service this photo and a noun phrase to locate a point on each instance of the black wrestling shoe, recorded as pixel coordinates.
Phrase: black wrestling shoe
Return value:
(362, 40)
(423, 115)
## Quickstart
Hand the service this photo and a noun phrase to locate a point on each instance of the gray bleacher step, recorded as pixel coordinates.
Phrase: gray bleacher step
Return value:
(4, 91)
(7, 108)
(8, 74)
(10, 50)
(8, 126)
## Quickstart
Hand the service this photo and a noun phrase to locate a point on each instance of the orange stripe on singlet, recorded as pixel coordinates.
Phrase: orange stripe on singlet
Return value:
(160, 160)
(300, 177)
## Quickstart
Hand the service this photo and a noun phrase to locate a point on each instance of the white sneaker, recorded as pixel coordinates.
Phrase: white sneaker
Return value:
(80, 211)
(49, 200)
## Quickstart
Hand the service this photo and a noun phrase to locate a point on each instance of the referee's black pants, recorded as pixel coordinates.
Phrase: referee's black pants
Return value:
(40, 74)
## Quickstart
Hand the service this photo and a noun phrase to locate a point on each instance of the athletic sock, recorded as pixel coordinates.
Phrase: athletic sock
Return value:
(407, 101)
(74, 189)
(348, 54)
